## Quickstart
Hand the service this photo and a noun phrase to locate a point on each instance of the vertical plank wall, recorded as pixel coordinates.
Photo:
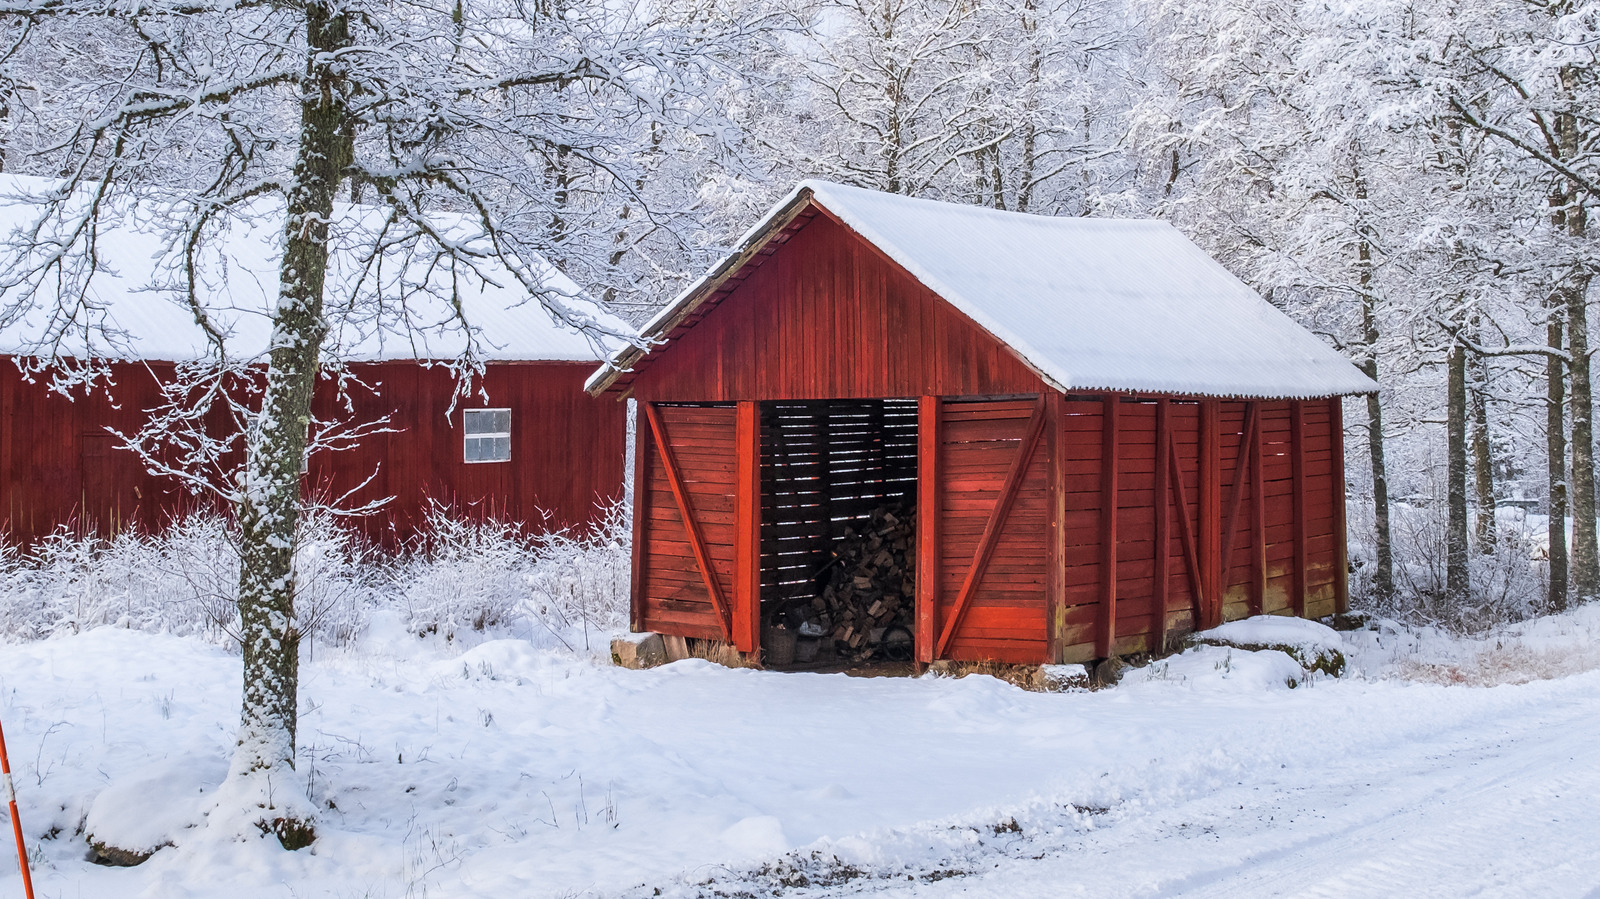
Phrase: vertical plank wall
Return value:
(1209, 492)
(60, 467)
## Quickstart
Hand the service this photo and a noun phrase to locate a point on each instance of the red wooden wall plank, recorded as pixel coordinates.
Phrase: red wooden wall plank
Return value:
(929, 477)
(1163, 531)
(1258, 520)
(1341, 531)
(1111, 428)
(1055, 572)
(638, 586)
(747, 545)
(1297, 444)
(1211, 512)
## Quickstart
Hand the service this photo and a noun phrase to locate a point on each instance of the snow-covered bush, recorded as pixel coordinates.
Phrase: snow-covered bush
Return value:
(460, 574)
(457, 575)
(1507, 585)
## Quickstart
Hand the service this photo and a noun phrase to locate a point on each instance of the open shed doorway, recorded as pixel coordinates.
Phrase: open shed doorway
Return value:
(838, 533)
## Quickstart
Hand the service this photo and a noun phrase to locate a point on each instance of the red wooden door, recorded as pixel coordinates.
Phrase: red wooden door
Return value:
(983, 596)
(695, 528)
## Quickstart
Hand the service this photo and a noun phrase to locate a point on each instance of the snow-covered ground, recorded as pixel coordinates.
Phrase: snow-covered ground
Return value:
(507, 770)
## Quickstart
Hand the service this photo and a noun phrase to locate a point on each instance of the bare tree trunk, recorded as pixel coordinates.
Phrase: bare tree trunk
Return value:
(1030, 129)
(1383, 551)
(1457, 581)
(1556, 454)
(270, 510)
(1570, 212)
(1482, 457)
(1585, 553)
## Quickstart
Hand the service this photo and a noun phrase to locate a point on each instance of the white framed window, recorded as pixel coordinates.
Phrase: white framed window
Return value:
(488, 435)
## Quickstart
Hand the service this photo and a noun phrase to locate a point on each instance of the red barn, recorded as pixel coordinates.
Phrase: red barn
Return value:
(528, 445)
(1106, 438)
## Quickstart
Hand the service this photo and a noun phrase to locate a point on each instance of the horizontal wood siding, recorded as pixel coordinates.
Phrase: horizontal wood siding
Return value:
(1006, 618)
(59, 465)
(672, 596)
(827, 316)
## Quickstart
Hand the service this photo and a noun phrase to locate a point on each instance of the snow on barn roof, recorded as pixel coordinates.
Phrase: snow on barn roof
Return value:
(136, 307)
(1090, 304)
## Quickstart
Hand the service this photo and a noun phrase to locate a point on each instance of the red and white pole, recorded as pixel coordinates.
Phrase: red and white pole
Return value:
(16, 822)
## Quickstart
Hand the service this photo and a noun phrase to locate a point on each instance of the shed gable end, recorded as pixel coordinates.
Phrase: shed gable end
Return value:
(827, 316)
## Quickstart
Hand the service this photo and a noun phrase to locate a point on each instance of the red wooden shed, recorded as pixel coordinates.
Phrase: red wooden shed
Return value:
(1107, 439)
(528, 445)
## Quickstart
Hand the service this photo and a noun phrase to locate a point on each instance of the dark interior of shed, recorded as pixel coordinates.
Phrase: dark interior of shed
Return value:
(838, 532)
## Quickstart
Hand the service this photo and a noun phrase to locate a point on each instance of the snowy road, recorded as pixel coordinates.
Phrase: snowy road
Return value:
(1502, 809)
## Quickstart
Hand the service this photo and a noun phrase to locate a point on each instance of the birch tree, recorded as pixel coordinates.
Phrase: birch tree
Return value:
(192, 116)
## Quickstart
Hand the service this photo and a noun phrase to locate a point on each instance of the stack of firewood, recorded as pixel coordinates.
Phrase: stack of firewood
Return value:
(868, 589)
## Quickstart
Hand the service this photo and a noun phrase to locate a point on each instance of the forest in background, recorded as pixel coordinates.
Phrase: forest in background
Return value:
(1409, 180)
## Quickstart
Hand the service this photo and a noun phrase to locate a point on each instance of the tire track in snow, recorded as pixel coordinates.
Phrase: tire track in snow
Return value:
(1511, 811)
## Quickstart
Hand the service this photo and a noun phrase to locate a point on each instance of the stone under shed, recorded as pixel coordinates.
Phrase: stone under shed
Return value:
(1098, 438)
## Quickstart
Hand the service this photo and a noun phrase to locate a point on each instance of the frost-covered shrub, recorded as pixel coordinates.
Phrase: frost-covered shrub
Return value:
(477, 575)
(456, 576)
(67, 583)
(1507, 585)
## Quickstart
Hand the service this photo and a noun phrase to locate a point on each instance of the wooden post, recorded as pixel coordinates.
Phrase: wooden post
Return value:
(1211, 511)
(1341, 531)
(1297, 457)
(1258, 518)
(928, 546)
(1106, 634)
(1055, 578)
(642, 442)
(1163, 536)
(747, 528)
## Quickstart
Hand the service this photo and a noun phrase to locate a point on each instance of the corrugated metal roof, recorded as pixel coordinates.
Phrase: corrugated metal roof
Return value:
(136, 307)
(1092, 304)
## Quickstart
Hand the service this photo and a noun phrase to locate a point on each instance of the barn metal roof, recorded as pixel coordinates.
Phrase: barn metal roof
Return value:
(136, 308)
(1091, 304)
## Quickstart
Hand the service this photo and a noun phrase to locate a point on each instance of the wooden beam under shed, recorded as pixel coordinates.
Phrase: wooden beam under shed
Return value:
(1110, 435)
(1341, 530)
(1258, 521)
(1211, 512)
(929, 435)
(1055, 579)
(747, 528)
(1162, 587)
(641, 517)
(1297, 457)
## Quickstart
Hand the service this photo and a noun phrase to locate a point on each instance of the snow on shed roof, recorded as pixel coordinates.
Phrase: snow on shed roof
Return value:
(136, 306)
(1089, 303)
